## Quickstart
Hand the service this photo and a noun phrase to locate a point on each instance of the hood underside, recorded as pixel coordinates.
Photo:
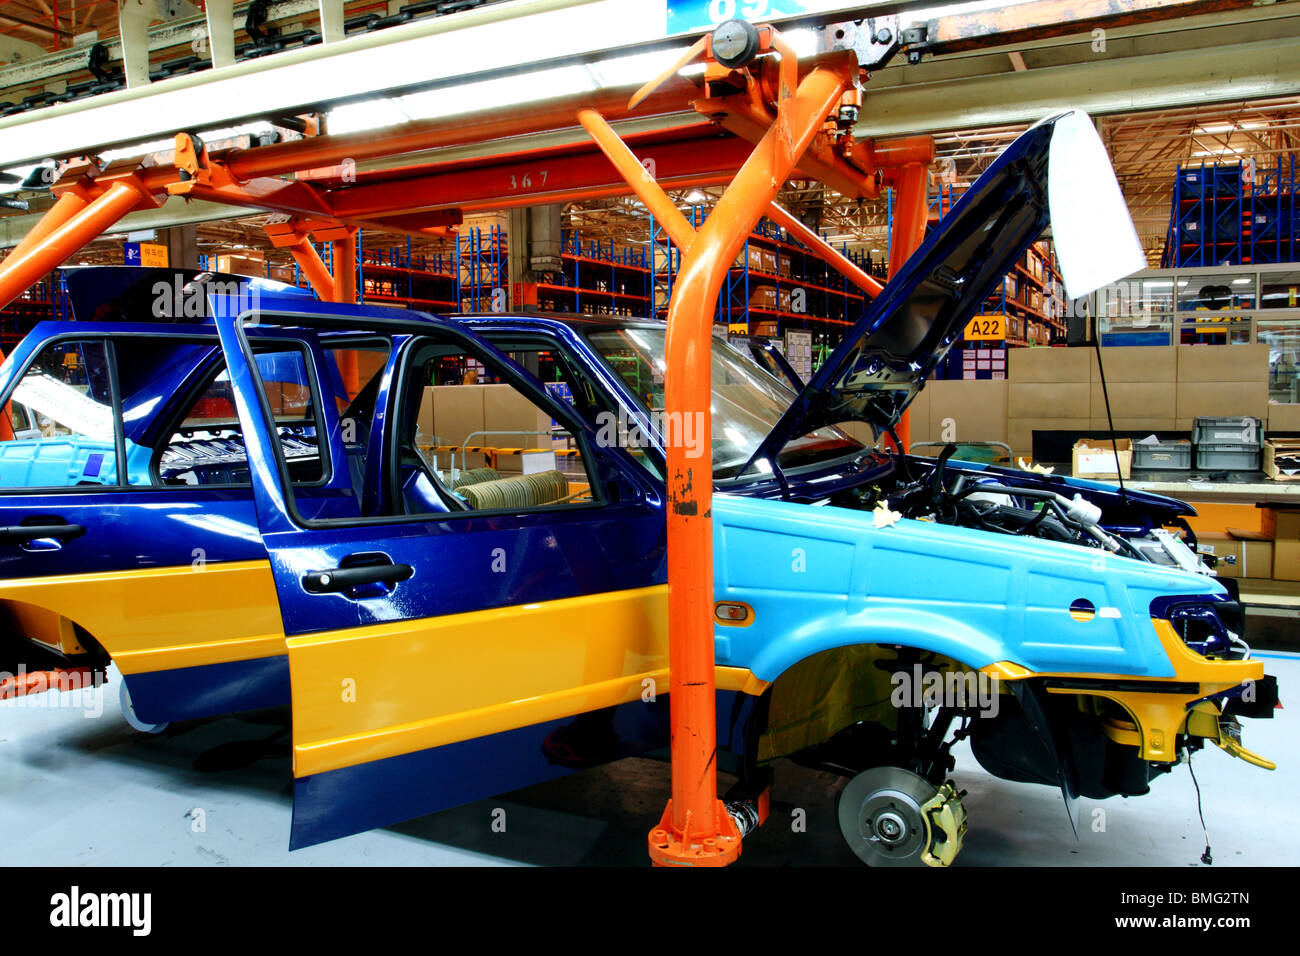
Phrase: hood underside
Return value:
(887, 356)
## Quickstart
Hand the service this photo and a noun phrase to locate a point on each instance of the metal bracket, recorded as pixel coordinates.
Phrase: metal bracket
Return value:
(914, 38)
(875, 40)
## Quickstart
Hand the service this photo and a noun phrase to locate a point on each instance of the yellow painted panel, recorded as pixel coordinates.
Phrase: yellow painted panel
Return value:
(1160, 717)
(377, 691)
(161, 618)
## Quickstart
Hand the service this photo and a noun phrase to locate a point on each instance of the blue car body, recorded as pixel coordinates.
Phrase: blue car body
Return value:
(469, 679)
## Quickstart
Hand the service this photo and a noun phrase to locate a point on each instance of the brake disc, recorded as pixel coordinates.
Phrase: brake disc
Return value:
(893, 817)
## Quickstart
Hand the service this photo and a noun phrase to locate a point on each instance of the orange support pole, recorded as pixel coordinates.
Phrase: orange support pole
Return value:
(823, 249)
(906, 236)
(19, 271)
(345, 269)
(345, 290)
(696, 829)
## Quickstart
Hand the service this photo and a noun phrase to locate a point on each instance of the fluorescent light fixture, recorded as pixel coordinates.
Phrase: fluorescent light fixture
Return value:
(489, 94)
(1243, 281)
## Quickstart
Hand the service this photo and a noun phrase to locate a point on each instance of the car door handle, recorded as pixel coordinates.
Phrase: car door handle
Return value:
(22, 533)
(334, 580)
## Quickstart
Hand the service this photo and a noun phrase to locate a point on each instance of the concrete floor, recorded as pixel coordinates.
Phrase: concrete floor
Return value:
(79, 791)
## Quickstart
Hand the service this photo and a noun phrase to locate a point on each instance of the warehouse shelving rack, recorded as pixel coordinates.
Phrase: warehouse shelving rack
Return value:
(1232, 214)
(598, 278)
(396, 275)
(758, 294)
(481, 266)
(47, 299)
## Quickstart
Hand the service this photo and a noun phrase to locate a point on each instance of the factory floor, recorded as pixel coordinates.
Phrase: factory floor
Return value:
(76, 791)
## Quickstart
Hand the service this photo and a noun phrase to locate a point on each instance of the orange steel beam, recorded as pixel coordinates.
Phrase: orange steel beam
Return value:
(64, 208)
(824, 250)
(18, 272)
(485, 184)
(906, 235)
(336, 149)
(638, 177)
(696, 829)
(314, 268)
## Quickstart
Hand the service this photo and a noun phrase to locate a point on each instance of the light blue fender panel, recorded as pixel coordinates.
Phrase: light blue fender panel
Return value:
(823, 577)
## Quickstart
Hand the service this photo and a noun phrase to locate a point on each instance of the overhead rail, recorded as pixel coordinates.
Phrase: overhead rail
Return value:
(505, 38)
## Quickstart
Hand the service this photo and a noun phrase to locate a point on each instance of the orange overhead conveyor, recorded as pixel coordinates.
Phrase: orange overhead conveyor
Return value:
(755, 118)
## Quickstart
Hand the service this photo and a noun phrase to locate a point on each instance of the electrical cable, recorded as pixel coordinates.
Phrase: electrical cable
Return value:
(1206, 857)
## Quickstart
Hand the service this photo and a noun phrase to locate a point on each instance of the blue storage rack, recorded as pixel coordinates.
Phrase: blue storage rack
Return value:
(1218, 216)
(598, 278)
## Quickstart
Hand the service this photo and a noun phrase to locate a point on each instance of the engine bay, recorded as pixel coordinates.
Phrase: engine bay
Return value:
(1022, 504)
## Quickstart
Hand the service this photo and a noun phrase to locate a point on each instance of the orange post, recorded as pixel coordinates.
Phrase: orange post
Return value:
(345, 290)
(345, 268)
(908, 231)
(696, 829)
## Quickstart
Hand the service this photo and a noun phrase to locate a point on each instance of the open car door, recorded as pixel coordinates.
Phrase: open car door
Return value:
(487, 608)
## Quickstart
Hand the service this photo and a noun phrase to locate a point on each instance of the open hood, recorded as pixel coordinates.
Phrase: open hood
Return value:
(1058, 172)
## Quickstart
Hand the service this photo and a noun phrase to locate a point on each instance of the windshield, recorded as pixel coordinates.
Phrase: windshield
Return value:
(747, 400)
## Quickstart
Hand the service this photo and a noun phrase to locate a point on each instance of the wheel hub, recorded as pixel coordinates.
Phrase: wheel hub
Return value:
(893, 817)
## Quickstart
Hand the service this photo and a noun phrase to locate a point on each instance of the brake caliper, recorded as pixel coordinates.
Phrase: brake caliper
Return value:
(945, 815)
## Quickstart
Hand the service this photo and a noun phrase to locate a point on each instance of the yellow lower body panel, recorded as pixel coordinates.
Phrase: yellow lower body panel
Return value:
(373, 692)
(154, 618)
(1158, 717)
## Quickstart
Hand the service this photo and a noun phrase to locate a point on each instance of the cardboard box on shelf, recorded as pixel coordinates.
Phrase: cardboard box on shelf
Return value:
(1222, 363)
(457, 412)
(784, 263)
(1054, 365)
(424, 421)
(1152, 426)
(968, 410)
(1219, 399)
(526, 426)
(918, 416)
(1282, 455)
(783, 297)
(1134, 400)
(1137, 364)
(769, 260)
(1283, 418)
(1286, 546)
(763, 296)
(1046, 399)
(242, 265)
(1095, 458)
(484, 222)
(1236, 558)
